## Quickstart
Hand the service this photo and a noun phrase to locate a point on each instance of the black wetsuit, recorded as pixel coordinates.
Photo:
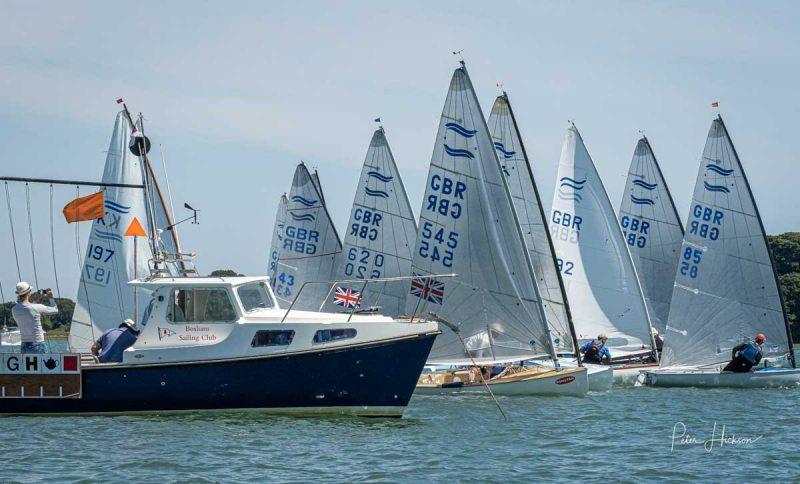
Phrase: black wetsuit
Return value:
(740, 364)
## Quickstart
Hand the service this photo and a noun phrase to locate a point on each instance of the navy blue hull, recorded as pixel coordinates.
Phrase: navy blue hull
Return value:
(381, 375)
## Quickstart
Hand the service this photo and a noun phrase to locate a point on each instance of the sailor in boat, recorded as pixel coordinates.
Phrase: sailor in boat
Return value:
(29, 317)
(746, 355)
(109, 347)
(595, 351)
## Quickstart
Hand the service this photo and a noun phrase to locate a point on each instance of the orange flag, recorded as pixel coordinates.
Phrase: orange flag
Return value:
(89, 207)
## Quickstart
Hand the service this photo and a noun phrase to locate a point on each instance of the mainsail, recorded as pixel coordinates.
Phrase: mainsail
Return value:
(381, 232)
(104, 297)
(516, 167)
(468, 227)
(653, 231)
(598, 273)
(725, 288)
(310, 246)
(277, 238)
(318, 184)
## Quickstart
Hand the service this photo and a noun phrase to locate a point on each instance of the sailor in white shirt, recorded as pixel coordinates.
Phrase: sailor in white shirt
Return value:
(28, 316)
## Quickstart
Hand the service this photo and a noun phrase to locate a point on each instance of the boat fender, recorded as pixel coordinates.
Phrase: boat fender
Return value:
(749, 353)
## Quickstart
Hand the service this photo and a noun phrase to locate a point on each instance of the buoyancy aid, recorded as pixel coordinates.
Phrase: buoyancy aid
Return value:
(750, 352)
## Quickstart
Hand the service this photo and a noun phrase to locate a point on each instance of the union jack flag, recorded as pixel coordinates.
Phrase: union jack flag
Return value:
(429, 289)
(347, 298)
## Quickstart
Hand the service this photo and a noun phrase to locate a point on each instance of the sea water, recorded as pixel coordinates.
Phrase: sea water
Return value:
(625, 435)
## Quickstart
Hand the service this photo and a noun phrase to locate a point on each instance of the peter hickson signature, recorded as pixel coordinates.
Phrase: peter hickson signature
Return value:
(681, 437)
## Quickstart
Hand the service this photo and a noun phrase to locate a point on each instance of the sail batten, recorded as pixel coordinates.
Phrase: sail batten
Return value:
(652, 230)
(598, 272)
(725, 289)
(468, 226)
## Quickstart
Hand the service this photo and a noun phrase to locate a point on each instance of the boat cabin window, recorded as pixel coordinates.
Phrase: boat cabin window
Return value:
(200, 305)
(326, 335)
(255, 296)
(272, 338)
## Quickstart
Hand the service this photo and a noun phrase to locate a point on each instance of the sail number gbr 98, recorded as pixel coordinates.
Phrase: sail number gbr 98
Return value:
(437, 244)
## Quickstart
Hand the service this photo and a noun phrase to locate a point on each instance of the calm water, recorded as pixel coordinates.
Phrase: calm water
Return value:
(625, 434)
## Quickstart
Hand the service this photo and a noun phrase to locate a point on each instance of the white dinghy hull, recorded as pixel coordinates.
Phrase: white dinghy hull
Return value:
(713, 378)
(567, 381)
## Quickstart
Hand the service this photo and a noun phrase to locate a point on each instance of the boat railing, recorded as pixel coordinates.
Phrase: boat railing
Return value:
(182, 262)
(332, 285)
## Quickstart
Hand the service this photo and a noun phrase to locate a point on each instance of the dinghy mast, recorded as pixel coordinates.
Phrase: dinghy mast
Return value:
(546, 230)
(766, 243)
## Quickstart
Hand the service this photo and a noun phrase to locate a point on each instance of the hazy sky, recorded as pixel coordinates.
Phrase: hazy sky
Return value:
(238, 93)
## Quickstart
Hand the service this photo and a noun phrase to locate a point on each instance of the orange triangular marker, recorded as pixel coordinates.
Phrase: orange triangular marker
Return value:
(135, 229)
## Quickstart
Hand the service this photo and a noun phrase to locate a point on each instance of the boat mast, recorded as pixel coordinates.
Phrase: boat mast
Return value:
(561, 287)
(766, 244)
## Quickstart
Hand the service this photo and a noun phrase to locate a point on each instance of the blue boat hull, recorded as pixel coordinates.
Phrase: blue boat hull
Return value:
(373, 379)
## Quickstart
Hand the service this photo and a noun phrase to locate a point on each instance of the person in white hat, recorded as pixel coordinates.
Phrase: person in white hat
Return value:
(28, 316)
(111, 344)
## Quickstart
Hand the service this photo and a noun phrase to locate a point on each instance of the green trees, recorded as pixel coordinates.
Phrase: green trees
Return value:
(786, 254)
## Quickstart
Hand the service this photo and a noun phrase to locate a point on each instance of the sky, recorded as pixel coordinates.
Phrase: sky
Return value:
(235, 94)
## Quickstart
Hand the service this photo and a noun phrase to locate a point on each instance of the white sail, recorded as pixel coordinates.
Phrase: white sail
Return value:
(468, 227)
(725, 287)
(310, 245)
(318, 185)
(600, 280)
(277, 238)
(522, 186)
(381, 232)
(653, 231)
(104, 297)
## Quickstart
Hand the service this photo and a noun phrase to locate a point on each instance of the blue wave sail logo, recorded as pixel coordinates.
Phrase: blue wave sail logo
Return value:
(642, 201)
(715, 188)
(457, 128)
(116, 207)
(719, 170)
(645, 185)
(458, 153)
(306, 217)
(379, 176)
(106, 235)
(569, 189)
(304, 201)
(375, 193)
(502, 149)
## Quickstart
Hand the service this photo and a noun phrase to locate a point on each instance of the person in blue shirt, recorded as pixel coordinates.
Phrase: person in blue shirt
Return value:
(746, 355)
(595, 351)
(109, 347)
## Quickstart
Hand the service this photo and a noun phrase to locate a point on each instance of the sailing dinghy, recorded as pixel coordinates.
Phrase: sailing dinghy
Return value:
(653, 231)
(468, 226)
(277, 239)
(600, 279)
(516, 167)
(725, 288)
(380, 237)
(310, 246)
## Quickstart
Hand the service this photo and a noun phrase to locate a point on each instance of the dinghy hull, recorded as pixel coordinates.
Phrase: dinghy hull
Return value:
(371, 379)
(687, 377)
(566, 381)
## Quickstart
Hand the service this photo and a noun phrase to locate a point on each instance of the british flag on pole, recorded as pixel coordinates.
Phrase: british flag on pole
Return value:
(429, 289)
(347, 298)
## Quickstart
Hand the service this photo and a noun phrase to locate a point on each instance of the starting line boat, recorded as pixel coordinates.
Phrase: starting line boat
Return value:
(725, 289)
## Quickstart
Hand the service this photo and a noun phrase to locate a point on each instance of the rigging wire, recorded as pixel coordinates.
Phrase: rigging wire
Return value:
(13, 235)
(30, 234)
(53, 243)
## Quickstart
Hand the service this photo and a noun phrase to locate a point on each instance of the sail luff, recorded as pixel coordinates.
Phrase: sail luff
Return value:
(661, 176)
(766, 243)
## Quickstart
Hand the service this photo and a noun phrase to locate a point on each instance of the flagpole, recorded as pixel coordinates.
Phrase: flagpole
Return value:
(135, 277)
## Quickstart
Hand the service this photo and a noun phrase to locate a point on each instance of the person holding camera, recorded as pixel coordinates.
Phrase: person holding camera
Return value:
(29, 317)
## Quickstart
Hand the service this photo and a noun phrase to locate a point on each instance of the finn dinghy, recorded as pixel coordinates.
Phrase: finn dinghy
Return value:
(310, 246)
(516, 167)
(215, 343)
(725, 289)
(599, 275)
(380, 237)
(277, 238)
(653, 231)
(468, 226)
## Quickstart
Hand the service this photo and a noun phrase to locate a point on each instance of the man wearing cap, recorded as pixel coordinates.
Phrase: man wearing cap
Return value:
(595, 351)
(746, 355)
(28, 316)
(112, 343)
